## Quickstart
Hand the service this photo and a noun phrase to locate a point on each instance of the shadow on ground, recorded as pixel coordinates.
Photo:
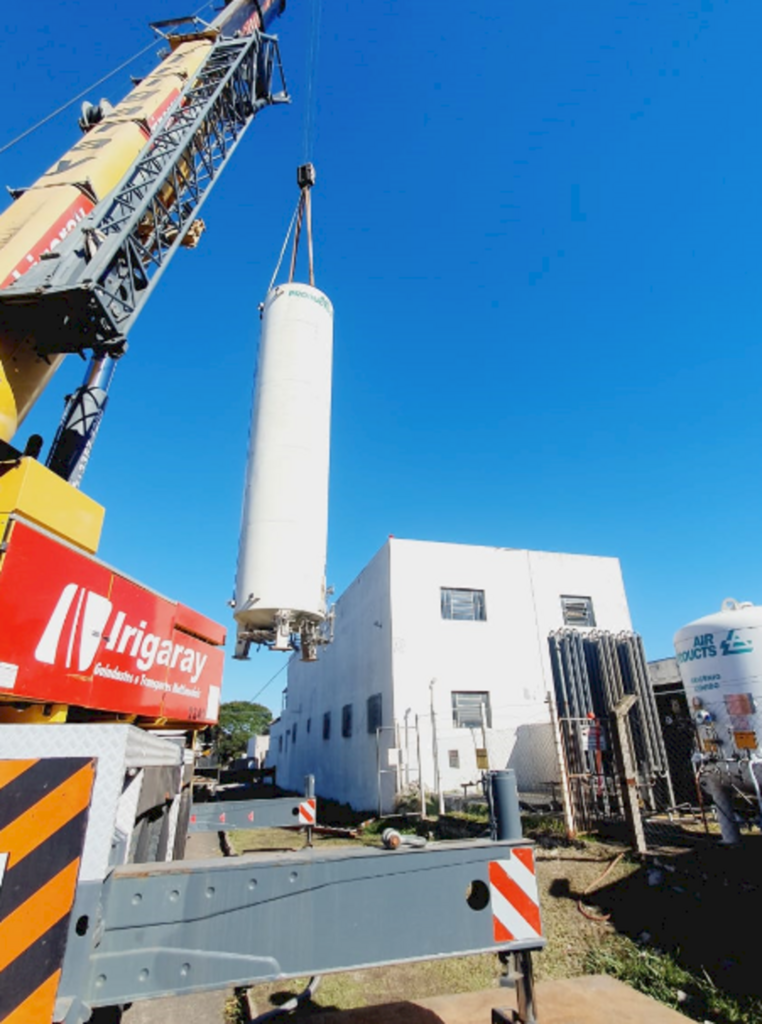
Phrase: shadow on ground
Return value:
(701, 905)
(402, 1012)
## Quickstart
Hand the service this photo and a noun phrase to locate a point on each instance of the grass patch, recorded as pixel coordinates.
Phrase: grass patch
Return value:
(657, 975)
(378, 985)
(234, 1011)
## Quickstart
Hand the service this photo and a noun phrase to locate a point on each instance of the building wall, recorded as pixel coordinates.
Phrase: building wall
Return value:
(665, 673)
(257, 747)
(391, 639)
(506, 655)
(354, 667)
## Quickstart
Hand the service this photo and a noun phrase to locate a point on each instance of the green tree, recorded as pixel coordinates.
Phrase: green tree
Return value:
(238, 721)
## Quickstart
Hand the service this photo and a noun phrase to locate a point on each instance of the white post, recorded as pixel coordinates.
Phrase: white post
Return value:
(483, 715)
(407, 750)
(566, 793)
(420, 769)
(435, 749)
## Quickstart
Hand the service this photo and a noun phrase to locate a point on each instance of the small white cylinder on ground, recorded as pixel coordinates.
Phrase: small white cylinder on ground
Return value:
(280, 584)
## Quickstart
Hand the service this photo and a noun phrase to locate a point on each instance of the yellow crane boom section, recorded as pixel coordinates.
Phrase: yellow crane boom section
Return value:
(47, 212)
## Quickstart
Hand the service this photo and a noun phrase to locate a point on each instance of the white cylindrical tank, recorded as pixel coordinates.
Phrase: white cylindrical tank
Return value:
(280, 582)
(720, 662)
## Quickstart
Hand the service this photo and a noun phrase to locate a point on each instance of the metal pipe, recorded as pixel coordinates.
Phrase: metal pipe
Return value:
(566, 799)
(755, 782)
(505, 819)
(435, 749)
(731, 834)
(420, 768)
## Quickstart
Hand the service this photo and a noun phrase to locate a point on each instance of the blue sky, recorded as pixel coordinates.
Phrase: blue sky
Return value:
(539, 227)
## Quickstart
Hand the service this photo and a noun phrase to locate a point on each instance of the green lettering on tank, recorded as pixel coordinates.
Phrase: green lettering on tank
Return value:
(321, 300)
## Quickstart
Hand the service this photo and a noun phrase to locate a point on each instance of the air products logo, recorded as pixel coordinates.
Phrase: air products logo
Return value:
(733, 644)
(80, 615)
(76, 628)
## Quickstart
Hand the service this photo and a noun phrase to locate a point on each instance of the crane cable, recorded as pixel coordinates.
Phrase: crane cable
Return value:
(304, 214)
(284, 246)
(81, 95)
(303, 211)
(310, 107)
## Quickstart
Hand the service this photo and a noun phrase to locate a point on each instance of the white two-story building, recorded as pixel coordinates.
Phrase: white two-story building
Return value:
(439, 646)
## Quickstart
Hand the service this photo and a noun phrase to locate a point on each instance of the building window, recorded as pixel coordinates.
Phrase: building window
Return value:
(309, 724)
(454, 758)
(327, 725)
(346, 721)
(374, 712)
(293, 734)
(463, 604)
(578, 611)
(467, 709)
(280, 744)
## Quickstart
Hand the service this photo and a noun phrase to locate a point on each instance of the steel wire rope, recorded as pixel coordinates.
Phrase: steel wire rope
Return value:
(285, 245)
(94, 85)
(270, 680)
(310, 106)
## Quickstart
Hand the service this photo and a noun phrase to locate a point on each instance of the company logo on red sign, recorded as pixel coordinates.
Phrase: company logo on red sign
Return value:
(70, 643)
(82, 615)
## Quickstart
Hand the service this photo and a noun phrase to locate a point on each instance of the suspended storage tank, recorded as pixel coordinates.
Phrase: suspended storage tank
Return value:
(720, 662)
(280, 584)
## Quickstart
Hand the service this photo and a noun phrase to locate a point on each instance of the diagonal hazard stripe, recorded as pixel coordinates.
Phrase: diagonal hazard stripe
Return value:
(10, 770)
(507, 920)
(37, 915)
(500, 932)
(29, 973)
(525, 855)
(42, 864)
(38, 1006)
(525, 879)
(24, 791)
(48, 815)
(44, 807)
(515, 896)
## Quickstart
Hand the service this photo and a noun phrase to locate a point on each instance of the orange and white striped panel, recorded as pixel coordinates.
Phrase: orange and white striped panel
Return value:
(307, 812)
(513, 894)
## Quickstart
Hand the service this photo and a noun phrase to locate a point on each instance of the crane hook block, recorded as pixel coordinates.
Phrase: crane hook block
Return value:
(305, 176)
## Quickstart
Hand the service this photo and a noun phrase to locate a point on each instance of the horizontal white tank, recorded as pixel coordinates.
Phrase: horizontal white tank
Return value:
(720, 662)
(280, 582)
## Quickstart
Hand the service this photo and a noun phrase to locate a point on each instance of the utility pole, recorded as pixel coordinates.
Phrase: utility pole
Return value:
(435, 749)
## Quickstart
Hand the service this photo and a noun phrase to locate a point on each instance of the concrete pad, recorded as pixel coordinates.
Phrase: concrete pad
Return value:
(201, 845)
(203, 1008)
(595, 999)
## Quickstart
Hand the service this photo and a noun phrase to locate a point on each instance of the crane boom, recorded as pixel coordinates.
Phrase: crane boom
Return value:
(85, 291)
